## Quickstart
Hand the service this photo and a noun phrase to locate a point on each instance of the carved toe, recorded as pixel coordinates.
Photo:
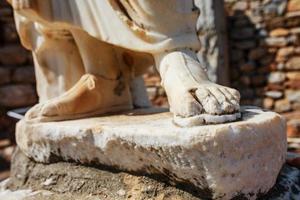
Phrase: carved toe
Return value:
(34, 112)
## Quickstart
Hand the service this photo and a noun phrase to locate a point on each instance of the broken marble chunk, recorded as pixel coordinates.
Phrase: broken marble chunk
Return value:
(226, 160)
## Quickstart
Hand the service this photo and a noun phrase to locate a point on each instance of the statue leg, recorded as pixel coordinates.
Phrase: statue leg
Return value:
(57, 61)
(58, 64)
(139, 93)
(193, 98)
(139, 63)
(104, 87)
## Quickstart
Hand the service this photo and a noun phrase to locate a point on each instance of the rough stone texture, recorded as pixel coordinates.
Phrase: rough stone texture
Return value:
(293, 84)
(284, 53)
(294, 76)
(4, 76)
(279, 32)
(287, 186)
(71, 178)
(276, 41)
(276, 77)
(71, 181)
(24, 75)
(294, 5)
(293, 128)
(13, 55)
(17, 95)
(293, 63)
(275, 27)
(293, 95)
(282, 105)
(268, 103)
(274, 94)
(226, 159)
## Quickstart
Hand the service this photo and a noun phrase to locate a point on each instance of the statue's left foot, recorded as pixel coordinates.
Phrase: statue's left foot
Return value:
(91, 95)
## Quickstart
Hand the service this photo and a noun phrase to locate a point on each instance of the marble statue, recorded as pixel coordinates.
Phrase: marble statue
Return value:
(89, 57)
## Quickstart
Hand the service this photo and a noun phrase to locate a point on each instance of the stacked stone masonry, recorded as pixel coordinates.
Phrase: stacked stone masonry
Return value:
(17, 81)
(264, 38)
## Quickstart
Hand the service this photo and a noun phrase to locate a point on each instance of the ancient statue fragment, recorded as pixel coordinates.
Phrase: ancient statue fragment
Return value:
(87, 54)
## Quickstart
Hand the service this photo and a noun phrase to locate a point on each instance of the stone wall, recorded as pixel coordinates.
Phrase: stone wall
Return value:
(264, 38)
(17, 81)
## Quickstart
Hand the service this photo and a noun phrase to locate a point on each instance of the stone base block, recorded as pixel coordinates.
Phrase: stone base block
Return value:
(70, 181)
(217, 161)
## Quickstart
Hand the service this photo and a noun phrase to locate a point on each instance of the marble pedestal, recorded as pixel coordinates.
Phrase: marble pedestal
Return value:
(218, 161)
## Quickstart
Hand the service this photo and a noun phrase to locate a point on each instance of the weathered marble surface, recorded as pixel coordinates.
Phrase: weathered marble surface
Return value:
(70, 181)
(225, 159)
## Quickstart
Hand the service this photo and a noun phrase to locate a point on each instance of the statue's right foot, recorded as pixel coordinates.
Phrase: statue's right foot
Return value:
(193, 98)
(91, 95)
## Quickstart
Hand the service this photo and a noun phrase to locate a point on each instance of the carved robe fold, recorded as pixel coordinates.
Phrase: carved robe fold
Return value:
(150, 26)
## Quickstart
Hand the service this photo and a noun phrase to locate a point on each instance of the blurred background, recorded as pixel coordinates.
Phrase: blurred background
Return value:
(250, 45)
